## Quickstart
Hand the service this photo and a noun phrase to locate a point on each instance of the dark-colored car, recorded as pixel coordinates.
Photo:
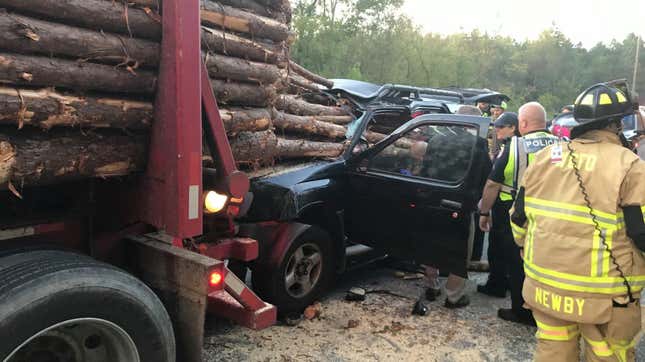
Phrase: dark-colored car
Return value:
(407, 188)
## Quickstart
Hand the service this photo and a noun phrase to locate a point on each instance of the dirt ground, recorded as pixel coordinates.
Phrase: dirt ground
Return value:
(382, 329)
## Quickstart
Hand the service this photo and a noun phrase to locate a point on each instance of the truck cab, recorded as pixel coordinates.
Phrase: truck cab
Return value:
(407, 188)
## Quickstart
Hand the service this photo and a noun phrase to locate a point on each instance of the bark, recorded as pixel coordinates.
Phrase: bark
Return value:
(294, 105)
(300, 70)
(245, 119)
(258, 9)
(41, 71)
(307, 125)
(375, 137)
(37, 158)
(47, 108)
(223, 67)
(214, 13)
(302, 83)
(22, 34)
(109, 16)
(215, 40)
(243, 94)
(287, 148)
(335, 119)
(254, 147)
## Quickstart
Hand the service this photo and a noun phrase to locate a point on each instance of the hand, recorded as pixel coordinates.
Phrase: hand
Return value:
(522, 254)
(484, 223)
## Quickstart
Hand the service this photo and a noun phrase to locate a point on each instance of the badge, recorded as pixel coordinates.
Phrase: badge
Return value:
(556, 154)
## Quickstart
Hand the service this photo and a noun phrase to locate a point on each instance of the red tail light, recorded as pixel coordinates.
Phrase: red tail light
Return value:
(215, 278)
(417, 114)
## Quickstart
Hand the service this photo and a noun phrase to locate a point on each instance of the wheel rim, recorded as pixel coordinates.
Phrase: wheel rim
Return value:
(78, 340)
(303, 270)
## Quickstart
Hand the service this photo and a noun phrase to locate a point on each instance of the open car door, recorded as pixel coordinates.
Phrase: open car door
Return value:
(414, 194)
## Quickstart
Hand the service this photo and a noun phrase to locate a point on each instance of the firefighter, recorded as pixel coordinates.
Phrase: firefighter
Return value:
(506, 266)
(579, 219)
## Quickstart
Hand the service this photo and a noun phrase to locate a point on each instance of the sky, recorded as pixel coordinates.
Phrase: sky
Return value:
(585, 21)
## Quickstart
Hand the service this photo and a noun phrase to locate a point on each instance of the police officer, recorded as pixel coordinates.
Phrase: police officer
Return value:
(500, 189)
(579, 219)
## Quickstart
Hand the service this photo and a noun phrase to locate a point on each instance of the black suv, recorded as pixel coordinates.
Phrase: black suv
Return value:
(408, 188)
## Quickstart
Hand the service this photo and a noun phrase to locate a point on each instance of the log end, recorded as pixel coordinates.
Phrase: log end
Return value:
(7, 161)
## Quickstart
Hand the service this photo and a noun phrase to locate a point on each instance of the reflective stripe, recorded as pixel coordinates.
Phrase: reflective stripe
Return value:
(518, 232)
(578, 210)
(620, 348)
(578, 283)
(531, 231)
(557, 333)
(598, 255)
(599, 348)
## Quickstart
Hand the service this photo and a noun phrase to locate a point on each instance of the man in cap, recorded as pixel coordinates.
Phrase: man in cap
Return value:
(501, 188)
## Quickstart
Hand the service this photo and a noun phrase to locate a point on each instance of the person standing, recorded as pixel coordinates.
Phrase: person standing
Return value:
(501, 188)
(579, 221)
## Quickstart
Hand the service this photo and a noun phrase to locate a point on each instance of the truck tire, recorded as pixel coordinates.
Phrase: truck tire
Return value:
(60, 306)
(305, 272)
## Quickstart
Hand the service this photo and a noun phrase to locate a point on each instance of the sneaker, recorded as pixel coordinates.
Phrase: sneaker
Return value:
(491, 292)
(432, 294)
(462, 302)
(510, 316)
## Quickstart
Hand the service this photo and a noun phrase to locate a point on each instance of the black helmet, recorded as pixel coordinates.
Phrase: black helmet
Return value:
(600, 103)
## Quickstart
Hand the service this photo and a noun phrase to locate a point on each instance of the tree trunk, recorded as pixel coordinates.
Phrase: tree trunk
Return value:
(302, 83)
(294, 105)
(287, 148)
(21, 34)
(109, 16)
(223, 67)
(245, 119)
(46, 108)
(257, 8)
(214, 13)
(300, 70)
(42, 71)
(215, 40)
(243, 94)
(37, 158)
(307, 125)
(254, 147)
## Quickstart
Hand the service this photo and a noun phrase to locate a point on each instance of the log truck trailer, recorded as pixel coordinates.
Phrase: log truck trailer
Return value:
(126, 270)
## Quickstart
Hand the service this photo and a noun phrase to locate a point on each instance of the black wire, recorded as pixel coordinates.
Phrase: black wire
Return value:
(585, 195)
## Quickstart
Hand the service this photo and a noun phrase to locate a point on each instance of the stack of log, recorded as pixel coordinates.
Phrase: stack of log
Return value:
(78, 81)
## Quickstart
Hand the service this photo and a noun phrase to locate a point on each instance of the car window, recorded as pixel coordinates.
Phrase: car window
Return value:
(436, 152)
(379, 127)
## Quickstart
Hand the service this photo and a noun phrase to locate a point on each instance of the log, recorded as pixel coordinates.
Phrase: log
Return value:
(302, 83)
(300, 70)
(46, 109)
(243, 94)
(227, 17)
(307, 125)
(254, 147)
(294, 105)
(216, 40)
(258, 9)
(287, 148)
(38, 158)
(223, 67)
(21, 34)
(42, 71)
(245, 119)
(110, 16)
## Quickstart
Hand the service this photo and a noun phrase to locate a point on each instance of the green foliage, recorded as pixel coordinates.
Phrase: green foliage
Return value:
(369, 40)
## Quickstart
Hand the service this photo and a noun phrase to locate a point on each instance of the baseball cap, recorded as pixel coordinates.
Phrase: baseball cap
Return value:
(506, 119)
(501, 105)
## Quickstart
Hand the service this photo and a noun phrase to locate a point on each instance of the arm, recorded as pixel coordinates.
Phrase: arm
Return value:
(492, 189)
(519, 220)
(632, 201)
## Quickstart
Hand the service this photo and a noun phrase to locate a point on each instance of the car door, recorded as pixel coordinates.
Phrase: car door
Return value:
(413, 194)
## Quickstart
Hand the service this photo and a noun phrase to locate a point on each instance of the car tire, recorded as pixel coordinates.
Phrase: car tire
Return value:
(67, 306)
(273, 284)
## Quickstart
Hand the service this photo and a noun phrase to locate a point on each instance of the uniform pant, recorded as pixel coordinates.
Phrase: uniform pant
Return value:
(559, 340)
(498, 269)
(455, 285)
